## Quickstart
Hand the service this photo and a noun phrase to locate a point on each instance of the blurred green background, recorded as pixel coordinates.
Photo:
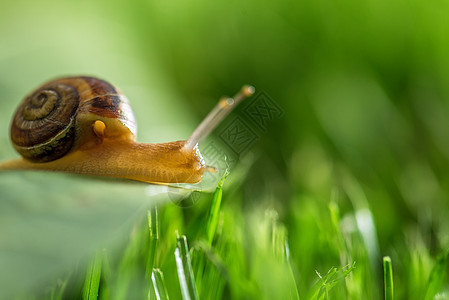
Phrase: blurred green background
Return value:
(364, 90)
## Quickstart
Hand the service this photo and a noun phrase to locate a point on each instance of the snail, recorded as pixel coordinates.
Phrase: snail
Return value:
(85, 125)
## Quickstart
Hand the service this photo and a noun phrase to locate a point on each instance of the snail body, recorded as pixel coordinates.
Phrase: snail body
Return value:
(85, 125)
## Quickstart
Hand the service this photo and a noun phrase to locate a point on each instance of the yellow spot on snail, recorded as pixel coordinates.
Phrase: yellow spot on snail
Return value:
(99, 128)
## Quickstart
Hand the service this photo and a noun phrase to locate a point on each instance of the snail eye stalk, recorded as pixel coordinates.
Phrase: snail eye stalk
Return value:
(224, 106)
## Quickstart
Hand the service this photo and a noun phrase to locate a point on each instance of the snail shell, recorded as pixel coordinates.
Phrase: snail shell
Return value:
(52, 120)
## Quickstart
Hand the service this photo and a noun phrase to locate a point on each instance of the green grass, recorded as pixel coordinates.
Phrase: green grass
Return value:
(215, 250)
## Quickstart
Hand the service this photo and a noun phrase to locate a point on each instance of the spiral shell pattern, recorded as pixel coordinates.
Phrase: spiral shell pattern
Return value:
(44, 127)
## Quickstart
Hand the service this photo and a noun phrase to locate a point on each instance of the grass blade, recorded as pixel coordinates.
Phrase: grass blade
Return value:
(214, 214)
(210, 232)
(322, 288)
(437, 276)
(388, 278)
(184, 268)
(92, 282)
(57, 291)
(158, 285)
(153, 227)
(279, 243)
(106, 276)
(126, 282)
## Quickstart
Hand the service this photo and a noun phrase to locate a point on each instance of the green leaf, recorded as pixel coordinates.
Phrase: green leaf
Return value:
(51, 221)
